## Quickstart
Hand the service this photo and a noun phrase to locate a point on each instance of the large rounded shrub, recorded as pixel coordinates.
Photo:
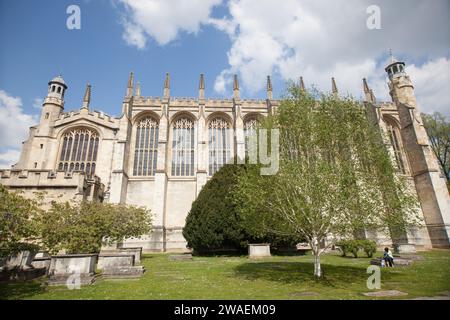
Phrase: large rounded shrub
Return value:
(214, 223)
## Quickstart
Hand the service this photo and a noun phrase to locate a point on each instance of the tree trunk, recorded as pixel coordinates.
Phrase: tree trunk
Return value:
(317, 268)
(315, 246)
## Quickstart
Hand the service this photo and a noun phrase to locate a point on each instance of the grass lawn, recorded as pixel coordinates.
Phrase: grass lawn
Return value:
(277, 277)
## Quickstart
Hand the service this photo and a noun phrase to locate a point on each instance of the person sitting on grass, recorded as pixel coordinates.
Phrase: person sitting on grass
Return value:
(388, 257)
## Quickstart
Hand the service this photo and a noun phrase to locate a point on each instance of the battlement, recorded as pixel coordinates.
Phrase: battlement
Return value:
(54, 100)
(16, 178)
(386, 105)
(95, 113)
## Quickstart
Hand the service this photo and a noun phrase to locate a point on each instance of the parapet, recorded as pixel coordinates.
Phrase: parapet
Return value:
(15, 178)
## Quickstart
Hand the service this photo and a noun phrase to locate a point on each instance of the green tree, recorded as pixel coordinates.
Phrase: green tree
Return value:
(335, 176)
(438, 130)
(18, 227)
(84, 226)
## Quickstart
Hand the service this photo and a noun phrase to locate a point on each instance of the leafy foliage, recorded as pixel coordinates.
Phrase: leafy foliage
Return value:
(354, 246)
(81, 227)
(18, 227)
(335, 176)
(438, 130)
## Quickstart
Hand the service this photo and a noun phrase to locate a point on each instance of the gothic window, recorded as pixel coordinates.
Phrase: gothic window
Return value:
(183, 147)
(79, 150)
(218, 144)
(394, 136)
(146, 147)
(250, 127)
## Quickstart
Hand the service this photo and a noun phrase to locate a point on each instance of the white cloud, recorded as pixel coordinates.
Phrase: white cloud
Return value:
(162, 20)
(37, 103)
(432, 85)
(320, 39)
(14, 125)
(316, 39)
(8, 158)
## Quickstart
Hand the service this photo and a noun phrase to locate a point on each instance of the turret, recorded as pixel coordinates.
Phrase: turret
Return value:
(53, 104)
(430, 185)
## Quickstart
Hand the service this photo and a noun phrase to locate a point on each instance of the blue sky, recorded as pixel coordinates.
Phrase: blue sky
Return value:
(40, 47)
(254, 38)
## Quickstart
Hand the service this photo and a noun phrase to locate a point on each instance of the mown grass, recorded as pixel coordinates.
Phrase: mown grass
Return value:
(237, 277)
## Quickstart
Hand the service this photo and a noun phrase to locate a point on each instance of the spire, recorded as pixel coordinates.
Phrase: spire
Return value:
(394, 68)
(167, 86)
(302, 84)
(236, 88)
(138, 89)
(333, 86)
(370, 97)
(130, 85)
(392, 59)
(269, 88)
(366, 86)
(201, 87)
(87, 97)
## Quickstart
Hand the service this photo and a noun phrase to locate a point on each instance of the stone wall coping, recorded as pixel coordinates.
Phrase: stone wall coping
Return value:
(81, 255)
(41, 258)
(117, 255)
(259, 244)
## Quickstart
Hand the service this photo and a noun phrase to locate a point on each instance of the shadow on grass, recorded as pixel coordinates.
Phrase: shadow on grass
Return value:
(17, 290)
(303, 272)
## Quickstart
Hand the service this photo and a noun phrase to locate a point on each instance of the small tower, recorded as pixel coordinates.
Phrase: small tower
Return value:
(302, 85)
(167, 86)
(86, 99)
(430, 185)
(138, 89)
(53, 104)
(201, 88)
(269, 89)
(334, 89)
(130, 85)
(395, 68)
(235, 88)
